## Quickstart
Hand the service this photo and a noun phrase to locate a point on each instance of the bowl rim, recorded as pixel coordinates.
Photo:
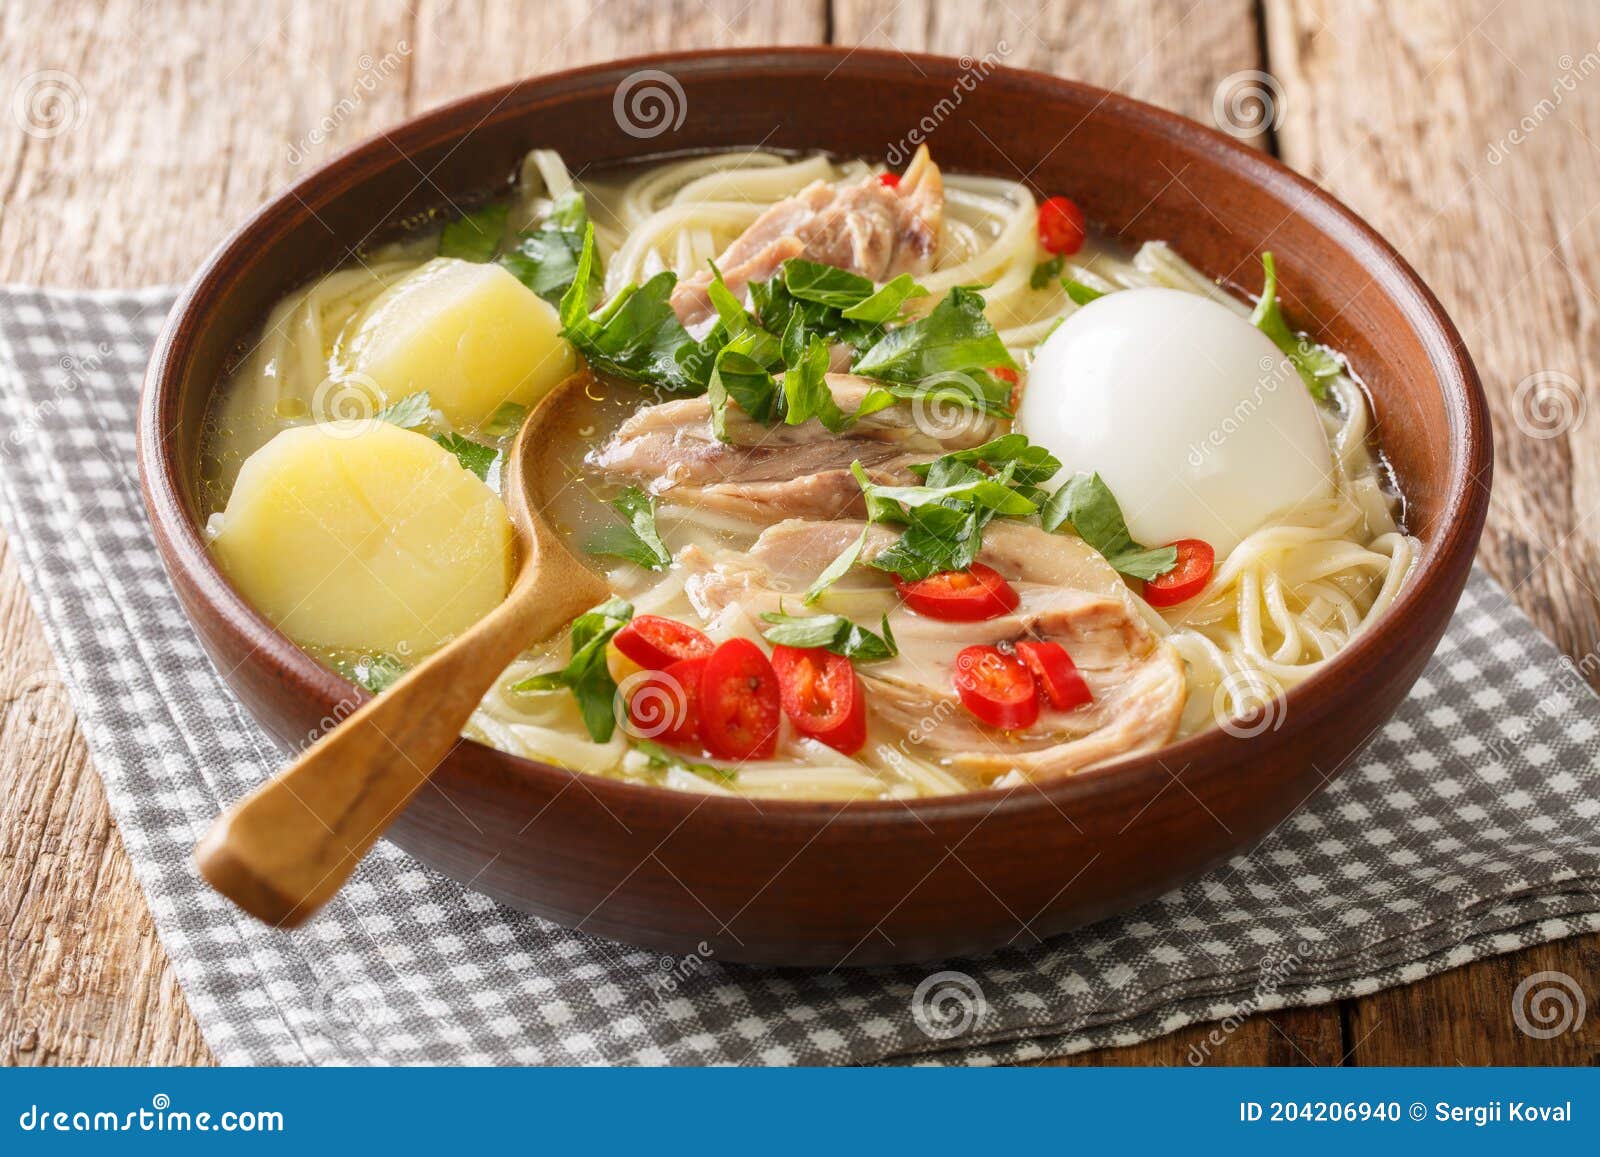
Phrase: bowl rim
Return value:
(1469, 460)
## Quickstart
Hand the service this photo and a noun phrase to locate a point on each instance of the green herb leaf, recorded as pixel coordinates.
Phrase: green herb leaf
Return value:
(835, 305)
(665, 757)
(957, 482)
(506, 419)
(1087, 503)
(955, 339)
(639, 541)
(409, 412)
(836, 569)
(739, 378)
(546, 259)
(1030, 464)
(1080, 293)
(1316, 365)
(586, 673)
(936, 539)
(475, 456)
(1046, 272)
(885, 305)
(825, 284)
(805, 390)
(475, 236)
(636, 335)
(832, 633)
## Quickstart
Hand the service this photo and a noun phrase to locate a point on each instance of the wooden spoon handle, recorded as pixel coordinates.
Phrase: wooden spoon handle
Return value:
(281, 852)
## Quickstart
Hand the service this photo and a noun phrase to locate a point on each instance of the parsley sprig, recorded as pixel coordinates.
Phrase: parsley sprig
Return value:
(832, 633)
(586, 673)
(942, 520)
(636, 539)
(1316, 364)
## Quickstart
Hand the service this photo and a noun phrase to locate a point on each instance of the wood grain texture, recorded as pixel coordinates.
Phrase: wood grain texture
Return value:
(285, 849)
(192, 98)
(1407, 112)
(1394, 107)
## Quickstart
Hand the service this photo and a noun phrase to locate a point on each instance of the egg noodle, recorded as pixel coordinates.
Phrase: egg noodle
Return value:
(1279, 606)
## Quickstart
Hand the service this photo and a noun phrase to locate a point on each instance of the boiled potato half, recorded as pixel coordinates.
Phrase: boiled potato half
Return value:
(364, 536)
(470, 334)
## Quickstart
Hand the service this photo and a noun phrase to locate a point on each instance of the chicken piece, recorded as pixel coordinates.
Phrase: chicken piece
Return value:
(1068, 594)
(866, 228)
(769, 473)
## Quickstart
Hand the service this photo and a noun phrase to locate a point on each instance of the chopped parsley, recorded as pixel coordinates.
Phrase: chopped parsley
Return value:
(1316, 365)
(662, 758)
(586, 673)
(942, 520)
(1046, 271)
(475, 456)
(1087, 504)
(475, 236)
(1080, 293)
(832, 633)
(546, 259)
(409, 412)
(636, 540)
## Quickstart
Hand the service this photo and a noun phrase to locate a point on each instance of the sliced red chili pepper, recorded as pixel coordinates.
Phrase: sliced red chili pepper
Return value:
(959, 596)
(889, 180)
(822, 694)
(1187, 578)
(1061, 225)
(997, 688)
(739, 711)
(657, 643)
(1055, 673)
(665, 705)
(1006, 374)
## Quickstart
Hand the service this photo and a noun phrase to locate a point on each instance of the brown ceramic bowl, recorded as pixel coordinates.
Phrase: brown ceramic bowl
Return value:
(818, 883)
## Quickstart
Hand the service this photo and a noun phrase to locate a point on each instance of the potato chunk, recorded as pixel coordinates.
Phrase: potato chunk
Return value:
(472, 335)
(364, 536)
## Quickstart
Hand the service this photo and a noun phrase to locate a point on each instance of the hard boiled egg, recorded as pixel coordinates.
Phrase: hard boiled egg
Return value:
(1197, 422)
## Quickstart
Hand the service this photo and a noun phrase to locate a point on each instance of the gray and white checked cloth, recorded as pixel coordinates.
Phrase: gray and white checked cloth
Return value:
(1466, 828)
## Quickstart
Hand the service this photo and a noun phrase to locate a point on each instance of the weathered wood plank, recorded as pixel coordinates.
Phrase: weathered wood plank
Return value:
(1171, 52)
(193, 102)
(180, 121)
(1293, 1037)
(1469, 134)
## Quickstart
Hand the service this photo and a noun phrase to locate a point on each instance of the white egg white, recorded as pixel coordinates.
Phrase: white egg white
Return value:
(1196, 421)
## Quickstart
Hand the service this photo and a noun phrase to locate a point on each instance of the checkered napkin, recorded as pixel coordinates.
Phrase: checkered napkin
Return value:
(1466, 828)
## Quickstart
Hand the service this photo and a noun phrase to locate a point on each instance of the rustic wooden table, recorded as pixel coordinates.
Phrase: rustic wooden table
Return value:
(1466, 132)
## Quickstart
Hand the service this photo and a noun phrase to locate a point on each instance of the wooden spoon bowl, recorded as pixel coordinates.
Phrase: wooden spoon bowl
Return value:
(288, 846)
(833, 883)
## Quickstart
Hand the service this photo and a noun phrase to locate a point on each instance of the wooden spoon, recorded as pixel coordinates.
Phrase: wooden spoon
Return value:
(288, 846)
